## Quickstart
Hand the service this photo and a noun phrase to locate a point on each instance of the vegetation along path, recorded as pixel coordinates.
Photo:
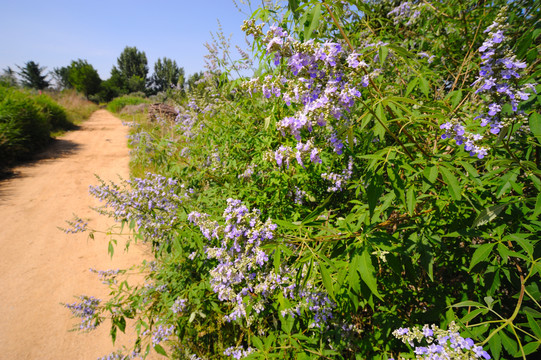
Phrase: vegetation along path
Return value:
(42, 266)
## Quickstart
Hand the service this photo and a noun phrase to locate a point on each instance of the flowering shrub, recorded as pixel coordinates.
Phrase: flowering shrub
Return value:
(370, 219)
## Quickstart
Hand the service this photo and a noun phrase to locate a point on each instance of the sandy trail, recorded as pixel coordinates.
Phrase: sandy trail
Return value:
(41, 266)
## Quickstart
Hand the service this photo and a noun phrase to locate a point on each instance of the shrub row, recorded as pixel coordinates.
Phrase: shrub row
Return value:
(26, 123)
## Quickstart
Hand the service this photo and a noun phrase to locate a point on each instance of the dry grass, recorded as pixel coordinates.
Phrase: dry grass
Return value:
(77, 107)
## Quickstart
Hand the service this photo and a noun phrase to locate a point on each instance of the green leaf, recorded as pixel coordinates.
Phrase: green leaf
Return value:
(159, 349)
(509, 344)
(366, 269)
(495, 346)
(424, 86)
(111, 249)
(383, 52)
(276, 260)
(327, 281)
(480, 254)
(411, 85)
(534, 325)
(468, 303)
(410, 200)
(257, 343)
(353, 274)
(532, 312)
(535, 125)
(452, 183)
(122, 324)
(521, 239)
(315, 16)
(431, 173)
(537, 210)
(113, 333)
(470, 169)
(488, 214)
(531, 347)
(472, 315)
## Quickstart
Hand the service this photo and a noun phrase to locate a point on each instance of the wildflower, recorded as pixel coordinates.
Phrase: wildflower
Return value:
(440, 344)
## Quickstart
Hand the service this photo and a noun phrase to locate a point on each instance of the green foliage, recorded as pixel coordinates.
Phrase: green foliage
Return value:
(418, 232)
(132, 65)
(24, 130)
(26, 122)
(55, 114)
(118, 103)
(61, 77)
(8, 77)
(84, 78)
(32, 76)
(193, 80)
(167, 74)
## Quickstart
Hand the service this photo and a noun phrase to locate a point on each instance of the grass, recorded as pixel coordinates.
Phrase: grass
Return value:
(77, 107)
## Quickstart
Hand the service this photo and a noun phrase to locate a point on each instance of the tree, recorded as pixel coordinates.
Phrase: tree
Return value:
(83, 77)
(133, 68)
(8, 77)
(166, 73)
(61, 77)
(32, 76)
(194, 79)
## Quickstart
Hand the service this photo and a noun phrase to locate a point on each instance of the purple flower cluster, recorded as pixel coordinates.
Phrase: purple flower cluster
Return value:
(243, 267)
(161, 333)
(118, 355)
(76, 225)
(339, 181)
(298, 195)
(440, 344)
(179, 305)
(151, 202)
(238, 352)
(316, 84)
(406, 11)
(248, 172)
(317, 302)
(86, 310)
(107, 277)
(498, 83)
(284, 154)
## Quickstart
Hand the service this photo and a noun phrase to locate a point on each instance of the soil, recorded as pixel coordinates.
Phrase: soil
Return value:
(42, 266)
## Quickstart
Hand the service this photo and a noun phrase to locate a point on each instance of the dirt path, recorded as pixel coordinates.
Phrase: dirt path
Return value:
(41, 266)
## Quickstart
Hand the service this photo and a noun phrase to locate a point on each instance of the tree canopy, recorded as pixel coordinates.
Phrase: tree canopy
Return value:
(166, 73)
(32, 76)
(132, 65)
(83, 77)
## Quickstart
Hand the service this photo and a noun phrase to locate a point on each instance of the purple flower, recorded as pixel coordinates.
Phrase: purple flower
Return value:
(493, 109)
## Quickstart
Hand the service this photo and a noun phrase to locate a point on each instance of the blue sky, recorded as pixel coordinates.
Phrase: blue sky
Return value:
(54, 32)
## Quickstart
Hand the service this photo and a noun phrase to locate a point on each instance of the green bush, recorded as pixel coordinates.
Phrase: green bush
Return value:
(26, 122)
(54, 113)
(386, 203)
(23, 126)
(117, 104)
